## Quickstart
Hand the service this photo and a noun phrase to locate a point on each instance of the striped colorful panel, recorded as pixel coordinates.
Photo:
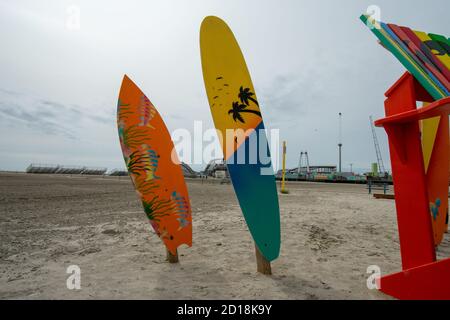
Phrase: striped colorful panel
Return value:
(414, 50)
(417, 63)
(404, 58)
(437, 50)
(439, 65)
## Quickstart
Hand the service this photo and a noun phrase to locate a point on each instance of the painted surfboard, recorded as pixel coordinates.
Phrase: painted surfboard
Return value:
(234, 106)
(154, 167)
(404, 58)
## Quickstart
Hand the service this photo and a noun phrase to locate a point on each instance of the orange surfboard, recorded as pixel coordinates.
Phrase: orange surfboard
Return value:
(154, 167)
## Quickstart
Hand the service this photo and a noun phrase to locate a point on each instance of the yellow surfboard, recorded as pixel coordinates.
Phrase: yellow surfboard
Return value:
(238, 120)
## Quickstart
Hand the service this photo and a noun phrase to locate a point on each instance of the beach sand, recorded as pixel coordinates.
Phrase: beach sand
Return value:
(331, 233)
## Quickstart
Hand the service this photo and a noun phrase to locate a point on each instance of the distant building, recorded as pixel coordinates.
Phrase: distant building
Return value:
(315, 169)
(118, 173)
(61, 169)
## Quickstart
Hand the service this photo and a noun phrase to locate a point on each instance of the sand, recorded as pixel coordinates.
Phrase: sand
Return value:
(331, 233)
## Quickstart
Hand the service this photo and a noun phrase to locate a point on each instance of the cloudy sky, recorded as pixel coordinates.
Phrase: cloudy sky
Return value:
(309, 60)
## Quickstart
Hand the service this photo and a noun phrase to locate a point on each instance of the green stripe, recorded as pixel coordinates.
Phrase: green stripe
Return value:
(443, 41)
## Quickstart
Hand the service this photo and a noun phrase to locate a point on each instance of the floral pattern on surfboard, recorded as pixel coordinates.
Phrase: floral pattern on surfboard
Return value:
(153, 166)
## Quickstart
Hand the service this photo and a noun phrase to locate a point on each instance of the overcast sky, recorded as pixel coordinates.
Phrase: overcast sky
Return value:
(309, 60)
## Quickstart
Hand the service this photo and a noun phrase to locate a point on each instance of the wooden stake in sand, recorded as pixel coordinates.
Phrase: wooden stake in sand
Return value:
(172, 258)
(262, 264)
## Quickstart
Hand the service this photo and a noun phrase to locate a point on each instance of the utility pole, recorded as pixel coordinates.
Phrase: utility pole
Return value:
(283, 178)
(351, 167)
(299, 170)
(340, 142)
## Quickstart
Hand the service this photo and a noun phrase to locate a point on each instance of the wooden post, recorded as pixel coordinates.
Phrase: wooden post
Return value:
(172, 258)
(262, 264)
